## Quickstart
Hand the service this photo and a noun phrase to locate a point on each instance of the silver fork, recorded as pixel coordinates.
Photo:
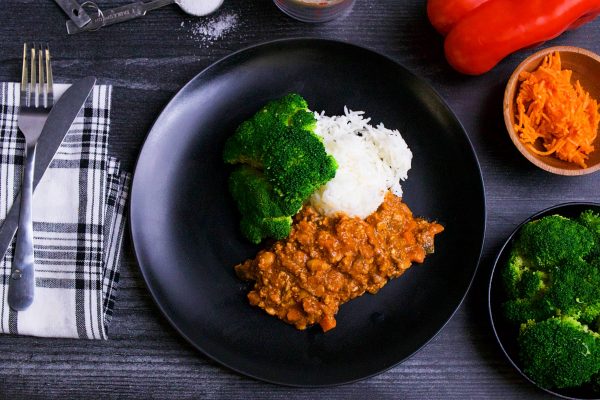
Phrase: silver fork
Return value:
(36, 101)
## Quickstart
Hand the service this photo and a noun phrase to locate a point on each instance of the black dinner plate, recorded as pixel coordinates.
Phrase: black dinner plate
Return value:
(507, 333)
(185, 226)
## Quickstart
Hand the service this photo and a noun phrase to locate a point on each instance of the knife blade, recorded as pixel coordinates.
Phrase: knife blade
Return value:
(61, 117)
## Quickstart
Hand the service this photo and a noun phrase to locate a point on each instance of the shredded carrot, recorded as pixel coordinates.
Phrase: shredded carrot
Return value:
(560, 115)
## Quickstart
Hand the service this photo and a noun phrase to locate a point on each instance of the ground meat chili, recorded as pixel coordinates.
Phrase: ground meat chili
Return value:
(327, 261)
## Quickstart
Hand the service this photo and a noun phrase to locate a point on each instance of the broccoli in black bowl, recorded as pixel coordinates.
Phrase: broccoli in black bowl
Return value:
(550, 302)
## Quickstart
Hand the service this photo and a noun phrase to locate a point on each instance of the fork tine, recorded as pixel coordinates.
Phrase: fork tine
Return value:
(41, 77)
(24, 73)
(33, 101)
(49, 79)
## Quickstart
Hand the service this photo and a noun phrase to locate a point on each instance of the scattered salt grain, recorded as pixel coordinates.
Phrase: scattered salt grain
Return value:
(212, 29)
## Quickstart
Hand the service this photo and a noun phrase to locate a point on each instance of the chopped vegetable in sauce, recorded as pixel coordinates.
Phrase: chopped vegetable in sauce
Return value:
(327, 261)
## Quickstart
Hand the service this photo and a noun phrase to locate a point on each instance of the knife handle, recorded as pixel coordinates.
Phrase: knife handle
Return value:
(11, 222)
(9, 226)
(22, 278)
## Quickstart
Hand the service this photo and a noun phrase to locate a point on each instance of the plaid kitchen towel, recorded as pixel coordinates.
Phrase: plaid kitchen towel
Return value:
(78, 217)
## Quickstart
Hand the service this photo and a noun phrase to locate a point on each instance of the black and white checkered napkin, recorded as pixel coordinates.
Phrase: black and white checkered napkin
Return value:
(78, 221)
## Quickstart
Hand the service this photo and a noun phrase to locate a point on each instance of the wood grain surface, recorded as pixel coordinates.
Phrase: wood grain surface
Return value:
(147, 61)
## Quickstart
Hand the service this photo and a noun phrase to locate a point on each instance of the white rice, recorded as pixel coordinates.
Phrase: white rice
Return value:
(371, 161)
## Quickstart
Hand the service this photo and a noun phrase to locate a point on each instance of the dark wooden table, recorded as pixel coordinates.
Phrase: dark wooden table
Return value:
(147, 61)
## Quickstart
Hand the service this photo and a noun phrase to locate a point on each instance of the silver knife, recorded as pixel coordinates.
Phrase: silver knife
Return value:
(59, 121)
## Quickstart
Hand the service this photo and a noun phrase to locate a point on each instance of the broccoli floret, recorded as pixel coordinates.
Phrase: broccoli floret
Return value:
(298, 167)
(526, 287)
(551, 239)
(279, 143)
(284, 109)
(575, 289)
(256, 229)
(262, 215)
(253, 138)
(545, 277)
(527, 292)
(253, 193)
(520, 277)
(521, 310)
(244, 147)
(532, 283)
(591, 221)
(512, 273)
(559, 352)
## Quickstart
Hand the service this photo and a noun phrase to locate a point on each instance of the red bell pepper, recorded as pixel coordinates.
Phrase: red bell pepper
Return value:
(494, 29)
(444, 14)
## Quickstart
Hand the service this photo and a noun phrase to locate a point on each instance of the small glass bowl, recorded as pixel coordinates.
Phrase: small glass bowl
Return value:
(314, 10)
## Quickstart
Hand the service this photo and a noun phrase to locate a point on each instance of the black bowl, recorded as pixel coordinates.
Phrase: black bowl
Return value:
(505, 331)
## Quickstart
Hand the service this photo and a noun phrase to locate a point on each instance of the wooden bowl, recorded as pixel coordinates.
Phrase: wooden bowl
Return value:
(586, 68)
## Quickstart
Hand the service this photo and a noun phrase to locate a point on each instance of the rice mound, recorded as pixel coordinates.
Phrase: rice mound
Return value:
(371, 160)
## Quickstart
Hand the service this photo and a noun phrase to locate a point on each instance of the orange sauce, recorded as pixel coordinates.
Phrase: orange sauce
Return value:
(327, 261)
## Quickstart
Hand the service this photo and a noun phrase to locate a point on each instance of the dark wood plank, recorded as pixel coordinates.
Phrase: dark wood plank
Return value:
(147, 61)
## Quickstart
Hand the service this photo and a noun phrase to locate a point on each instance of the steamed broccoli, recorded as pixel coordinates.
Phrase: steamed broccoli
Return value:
(262, 215)
(575, 289)
(559, 352)
(552, 279)
(526, 287)
(289, 162)
(552, 239)
(256, 229)
(536, 309)
(591, 221)
(546, 273)
(254, 137)
(520, 277)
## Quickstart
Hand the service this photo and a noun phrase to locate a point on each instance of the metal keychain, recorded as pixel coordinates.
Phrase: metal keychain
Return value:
(116, 15)
(75, 12)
